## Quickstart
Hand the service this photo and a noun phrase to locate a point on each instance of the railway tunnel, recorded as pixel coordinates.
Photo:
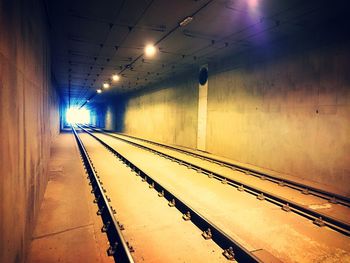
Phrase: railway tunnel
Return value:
(174, 131)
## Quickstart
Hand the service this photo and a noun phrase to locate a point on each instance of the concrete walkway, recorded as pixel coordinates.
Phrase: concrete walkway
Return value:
(68, 229)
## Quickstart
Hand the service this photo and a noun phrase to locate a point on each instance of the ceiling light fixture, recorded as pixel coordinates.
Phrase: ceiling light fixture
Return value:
(186, 21)
(115, 77)
(150, 50)
(99, 91)
(106, 85)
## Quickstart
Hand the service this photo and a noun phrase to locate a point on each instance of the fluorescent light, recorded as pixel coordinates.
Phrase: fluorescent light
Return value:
(150, 50)
(186, 21)
(115, 77)
(99, 91)
(106, 85)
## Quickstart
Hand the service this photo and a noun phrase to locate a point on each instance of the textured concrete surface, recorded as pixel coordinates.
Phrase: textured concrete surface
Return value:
(29, 120)
(258, 225)
(167, 115)
(288, 113)
(68, 229)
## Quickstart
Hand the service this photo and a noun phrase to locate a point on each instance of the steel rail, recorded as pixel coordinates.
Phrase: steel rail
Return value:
(333, 197)
(317, 217)
(118, 246)
(241, 254)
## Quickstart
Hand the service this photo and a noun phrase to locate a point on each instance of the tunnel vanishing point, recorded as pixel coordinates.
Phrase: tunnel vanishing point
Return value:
(174, 131)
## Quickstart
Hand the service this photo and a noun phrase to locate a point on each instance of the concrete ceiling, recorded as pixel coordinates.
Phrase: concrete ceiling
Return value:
(91, 40)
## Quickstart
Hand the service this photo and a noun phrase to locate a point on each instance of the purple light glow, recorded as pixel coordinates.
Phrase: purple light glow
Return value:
(253, 3)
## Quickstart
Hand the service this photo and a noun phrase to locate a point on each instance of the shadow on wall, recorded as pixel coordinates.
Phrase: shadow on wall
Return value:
(113, 114)
(166, 112)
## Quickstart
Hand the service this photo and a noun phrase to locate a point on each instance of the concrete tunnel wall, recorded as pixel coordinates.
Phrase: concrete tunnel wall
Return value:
(286, 112)
(168, 114)
(289, 115)
(29, 121)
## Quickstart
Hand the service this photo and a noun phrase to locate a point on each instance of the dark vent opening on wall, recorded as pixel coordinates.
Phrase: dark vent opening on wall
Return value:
(203, 76)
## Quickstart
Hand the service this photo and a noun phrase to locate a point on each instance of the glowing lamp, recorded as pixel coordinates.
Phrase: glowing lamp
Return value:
(115, 77)
(150, 50)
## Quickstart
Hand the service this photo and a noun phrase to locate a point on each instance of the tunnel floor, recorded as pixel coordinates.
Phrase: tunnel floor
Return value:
(68, 229)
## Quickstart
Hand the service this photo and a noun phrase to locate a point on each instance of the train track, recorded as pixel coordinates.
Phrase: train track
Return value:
(319, 218)
(232, 250)
(333, 197)
(118, 248)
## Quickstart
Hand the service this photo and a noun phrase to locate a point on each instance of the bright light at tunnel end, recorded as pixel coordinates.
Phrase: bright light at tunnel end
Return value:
(78, 116)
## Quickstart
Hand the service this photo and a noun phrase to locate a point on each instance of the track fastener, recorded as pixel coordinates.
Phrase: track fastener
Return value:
(207, 234)
(144, 179)
(100, 211)
(224, 181)
(161, 194)
(97, 199)
(286, 207)
(105, 227)
(121, 226)
(261, 197)
(240, 188)
(130, 247)
(210, 175)
(319, 222)
(333, 200)
(112, 249)
(229, 254)
(262, 177)
(113, 210)
(187, 216)
(281, 183)
(172, 203)
(305, 191)
(151, 185)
